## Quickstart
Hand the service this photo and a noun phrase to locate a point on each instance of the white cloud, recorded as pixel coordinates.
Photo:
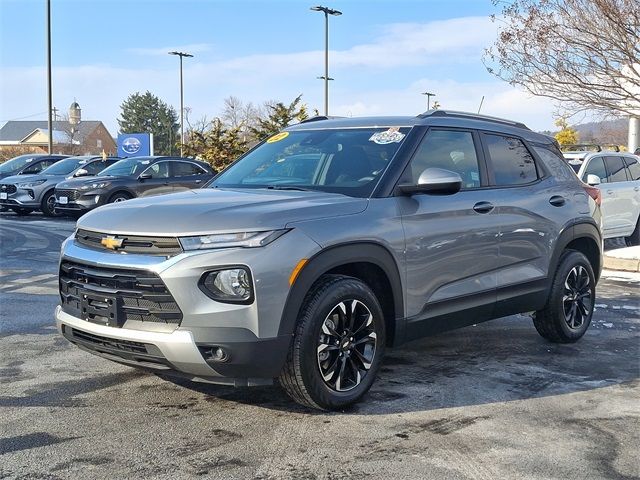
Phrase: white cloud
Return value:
(100, 89)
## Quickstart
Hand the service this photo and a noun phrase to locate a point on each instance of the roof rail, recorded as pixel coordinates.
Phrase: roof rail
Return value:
(317, 118)
(473, 116)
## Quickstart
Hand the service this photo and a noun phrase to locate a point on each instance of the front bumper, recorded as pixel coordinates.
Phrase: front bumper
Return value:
(22, 198)
(79, 201)
(248, 333)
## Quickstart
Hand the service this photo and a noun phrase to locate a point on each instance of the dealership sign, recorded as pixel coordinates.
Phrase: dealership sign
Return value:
(135, 144)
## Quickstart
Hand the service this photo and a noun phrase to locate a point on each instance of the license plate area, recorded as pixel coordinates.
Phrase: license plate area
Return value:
(101, 309)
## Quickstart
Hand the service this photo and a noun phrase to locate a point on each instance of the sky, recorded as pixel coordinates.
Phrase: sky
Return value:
(383, 54)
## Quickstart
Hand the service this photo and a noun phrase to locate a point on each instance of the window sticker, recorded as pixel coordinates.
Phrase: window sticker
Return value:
(145, 162)
(393, 135)
(278, 136)
(475, 176)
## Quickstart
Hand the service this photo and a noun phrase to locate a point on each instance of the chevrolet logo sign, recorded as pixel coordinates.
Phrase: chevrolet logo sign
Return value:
(111, 242)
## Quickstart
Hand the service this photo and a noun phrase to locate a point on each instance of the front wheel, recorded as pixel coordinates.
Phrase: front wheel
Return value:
(48, 204)
(119, 197)
(338, 344)
(567, 314)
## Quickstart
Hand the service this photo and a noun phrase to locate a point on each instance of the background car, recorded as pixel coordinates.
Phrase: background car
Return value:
(28, 164)
(26, 193)
(618, 177)
(130, 178)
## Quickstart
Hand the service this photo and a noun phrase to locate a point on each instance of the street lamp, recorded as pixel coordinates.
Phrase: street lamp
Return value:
(49, 90)
(429, 95)
(181, 54)
(327, 11)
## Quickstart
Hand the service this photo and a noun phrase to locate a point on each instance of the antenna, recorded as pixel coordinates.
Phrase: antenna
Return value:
(481, 102)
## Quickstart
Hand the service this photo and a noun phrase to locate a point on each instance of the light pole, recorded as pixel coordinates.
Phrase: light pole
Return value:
(327, 11)
(181, 54)
(429, 95)
(49, 90)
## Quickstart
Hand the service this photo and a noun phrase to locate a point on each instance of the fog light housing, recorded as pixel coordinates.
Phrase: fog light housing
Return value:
(31, 194)
(97, 199)
(228, 285)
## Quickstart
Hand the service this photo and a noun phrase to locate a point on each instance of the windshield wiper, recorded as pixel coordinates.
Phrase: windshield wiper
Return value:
(287, 187)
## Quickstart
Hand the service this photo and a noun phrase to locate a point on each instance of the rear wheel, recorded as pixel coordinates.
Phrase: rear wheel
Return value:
(338, 344)
(48, 204)
(567, 314)
(21, 211)
(119, 197)
(634, 239)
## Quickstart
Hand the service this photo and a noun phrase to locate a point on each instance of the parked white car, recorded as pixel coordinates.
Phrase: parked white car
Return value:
(618, 177)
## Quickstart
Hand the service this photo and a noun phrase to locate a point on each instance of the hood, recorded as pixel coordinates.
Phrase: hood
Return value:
(74, 183)
(22, 178)
(208, 210)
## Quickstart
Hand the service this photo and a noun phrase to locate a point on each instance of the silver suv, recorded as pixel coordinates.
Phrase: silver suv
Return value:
(331, 241)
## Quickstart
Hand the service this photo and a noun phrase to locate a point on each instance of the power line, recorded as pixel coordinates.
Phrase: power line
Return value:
(22, 118)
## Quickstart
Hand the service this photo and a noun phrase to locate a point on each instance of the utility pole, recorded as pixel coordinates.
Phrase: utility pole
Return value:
(49, 89)
(181, 55)
(429, 95)
(327, 11)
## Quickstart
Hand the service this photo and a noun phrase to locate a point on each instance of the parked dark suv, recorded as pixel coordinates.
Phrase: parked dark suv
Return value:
(331, 241)
(130, 178)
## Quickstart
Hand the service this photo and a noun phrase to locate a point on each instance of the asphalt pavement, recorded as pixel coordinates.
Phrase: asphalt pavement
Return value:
(492, 401)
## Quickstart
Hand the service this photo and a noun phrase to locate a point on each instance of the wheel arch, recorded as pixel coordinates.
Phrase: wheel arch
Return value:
(584, 237)
(115, 191)
(371, 263)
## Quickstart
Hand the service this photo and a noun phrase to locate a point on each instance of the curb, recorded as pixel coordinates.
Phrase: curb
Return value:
(624, 264)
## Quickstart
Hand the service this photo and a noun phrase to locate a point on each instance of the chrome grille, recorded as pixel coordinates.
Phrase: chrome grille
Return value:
(165, 246)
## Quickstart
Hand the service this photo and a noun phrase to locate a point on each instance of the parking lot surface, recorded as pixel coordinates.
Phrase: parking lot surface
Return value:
(485, 402)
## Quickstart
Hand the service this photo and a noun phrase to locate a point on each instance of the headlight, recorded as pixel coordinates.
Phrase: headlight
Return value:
(31, 184)
(91, 186)
(230, 285)
(225, 240)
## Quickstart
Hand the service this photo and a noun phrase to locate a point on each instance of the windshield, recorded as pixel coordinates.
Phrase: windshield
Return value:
(66, 166)
(17, 163)
(126, 167)
(347, 161)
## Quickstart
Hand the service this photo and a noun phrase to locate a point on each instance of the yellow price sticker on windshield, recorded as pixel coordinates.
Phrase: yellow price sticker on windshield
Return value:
(278, 136)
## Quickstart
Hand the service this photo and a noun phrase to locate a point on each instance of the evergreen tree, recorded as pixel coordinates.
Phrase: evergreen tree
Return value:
(215, 143)
(146, 113)
(279, 116)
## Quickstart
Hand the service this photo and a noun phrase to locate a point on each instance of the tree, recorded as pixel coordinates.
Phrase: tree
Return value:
(146, 113)
(583, 53)
(566, 135)
(214, 142)
(279, 116)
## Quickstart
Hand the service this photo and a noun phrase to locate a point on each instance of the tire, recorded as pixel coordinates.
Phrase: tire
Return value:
(47, 205)
(567, 314)
(634, 239)
(119, 197)
(22, 212)
(336, 376)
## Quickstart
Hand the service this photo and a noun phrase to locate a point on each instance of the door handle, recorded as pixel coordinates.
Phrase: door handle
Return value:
(483, 207)
(636, 188)
(198, 181)
(557, 200)
(609, 192)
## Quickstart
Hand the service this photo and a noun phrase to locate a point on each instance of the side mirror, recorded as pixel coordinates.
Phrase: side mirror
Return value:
(144, 176)
(81, 173)
(593, 180)
(436, 181)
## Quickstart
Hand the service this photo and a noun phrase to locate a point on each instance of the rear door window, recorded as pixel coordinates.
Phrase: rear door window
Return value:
(511, 161)
(596, 167)
(615, 169)
(186, 169)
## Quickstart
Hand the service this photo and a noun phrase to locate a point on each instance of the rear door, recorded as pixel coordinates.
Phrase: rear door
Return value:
(187, 175)
(617, 198)
(158, 184)
(451, 240)
(531, 211)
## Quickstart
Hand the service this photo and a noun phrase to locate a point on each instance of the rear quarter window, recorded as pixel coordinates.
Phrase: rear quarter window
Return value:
(633, 167)
(555, 163)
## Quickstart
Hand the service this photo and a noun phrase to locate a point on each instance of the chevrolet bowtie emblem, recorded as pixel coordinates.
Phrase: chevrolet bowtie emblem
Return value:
(111, 242)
